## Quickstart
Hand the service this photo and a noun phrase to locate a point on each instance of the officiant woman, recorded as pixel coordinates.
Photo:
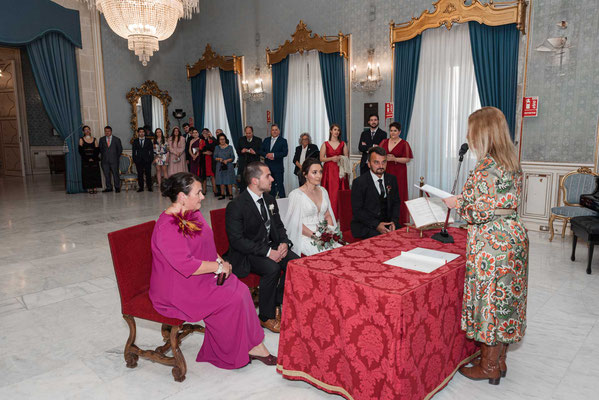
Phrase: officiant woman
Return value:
(495, 287)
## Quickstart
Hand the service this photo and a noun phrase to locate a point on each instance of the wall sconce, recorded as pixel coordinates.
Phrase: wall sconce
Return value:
(373, 79)
(255, 94)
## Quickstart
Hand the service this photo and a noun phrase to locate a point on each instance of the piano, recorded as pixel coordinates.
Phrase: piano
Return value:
(591, 200)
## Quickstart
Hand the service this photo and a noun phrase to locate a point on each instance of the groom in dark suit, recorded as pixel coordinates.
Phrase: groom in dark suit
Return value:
(274, 150)
(143, 155)
(258, 241)
(372, 136)
(375, 198)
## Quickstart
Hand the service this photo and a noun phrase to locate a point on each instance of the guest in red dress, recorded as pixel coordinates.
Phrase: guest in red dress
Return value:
(399, 154)
(331, 152)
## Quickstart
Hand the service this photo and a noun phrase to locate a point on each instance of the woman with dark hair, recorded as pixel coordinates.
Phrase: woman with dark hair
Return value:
(399, 154)
(207, 147)
(160, 155)
(335, 170)
(176, 152)
(195, 159)
(309, 206)
(225, 171)
(183, 285)
(90, 162)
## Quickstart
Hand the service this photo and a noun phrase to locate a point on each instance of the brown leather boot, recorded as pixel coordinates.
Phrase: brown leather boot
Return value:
(487, 368)
(502, 357)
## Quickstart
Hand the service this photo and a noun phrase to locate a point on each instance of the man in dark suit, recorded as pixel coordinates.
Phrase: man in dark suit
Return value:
(304, 151)
(258, 241)
(274, 150)
(110, 154)
(143, 155)
(375, 198)
(248, 148)
(372, 136)
(187, 136)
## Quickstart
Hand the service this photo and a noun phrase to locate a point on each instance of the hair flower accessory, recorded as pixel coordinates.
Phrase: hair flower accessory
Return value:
(188, 224)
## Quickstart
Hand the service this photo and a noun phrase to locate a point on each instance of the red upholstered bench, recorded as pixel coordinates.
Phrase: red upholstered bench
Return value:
(132, 260)
(345, 215)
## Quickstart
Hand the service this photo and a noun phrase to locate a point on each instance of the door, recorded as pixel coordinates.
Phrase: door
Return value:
(10, 139)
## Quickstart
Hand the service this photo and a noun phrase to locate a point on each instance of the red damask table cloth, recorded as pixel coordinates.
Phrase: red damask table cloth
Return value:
(362, 329)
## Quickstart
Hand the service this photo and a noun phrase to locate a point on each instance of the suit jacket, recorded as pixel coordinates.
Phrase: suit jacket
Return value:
(143, 155)
(247, 232)
(312, 151)
(280, 151)
(366, 137)
(110, 155)
(246, 158)
(365, 203)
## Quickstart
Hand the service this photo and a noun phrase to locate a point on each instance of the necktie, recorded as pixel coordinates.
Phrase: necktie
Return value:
(381, 188)
(263, 210)
(141, 142)
(108, 141)
(272, 143)
(372, 134)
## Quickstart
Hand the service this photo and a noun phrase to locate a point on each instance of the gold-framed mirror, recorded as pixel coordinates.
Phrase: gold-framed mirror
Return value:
(151, 103)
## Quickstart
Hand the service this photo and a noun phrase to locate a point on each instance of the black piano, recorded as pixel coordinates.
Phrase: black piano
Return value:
(591, 200)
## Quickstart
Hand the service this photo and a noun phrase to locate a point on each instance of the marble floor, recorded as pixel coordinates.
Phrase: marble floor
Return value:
(62, 333)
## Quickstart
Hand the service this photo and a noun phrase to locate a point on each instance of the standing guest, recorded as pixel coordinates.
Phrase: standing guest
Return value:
(160, 155)
(274, 150)
(399, 154)
(143, 155)
(496, 283)
(374, 198)
(186, 131)
(207, 149)
(258, 241)
(331, 152)
(110, 153)
(217, 133)
(371, 136)
(194, 151)
(90, 161)
(248, 149)
(182, 284)
(304, 151)
(176, 152)
(225, 172)
(187, 136)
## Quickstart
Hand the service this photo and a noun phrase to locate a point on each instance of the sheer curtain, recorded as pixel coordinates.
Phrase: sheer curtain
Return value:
(215, 114)
(157, 114)
(446, 94)
(306, 110)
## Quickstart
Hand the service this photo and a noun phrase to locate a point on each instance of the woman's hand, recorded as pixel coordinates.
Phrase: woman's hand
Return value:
(336, 158)
(227, 268)
(452, 202)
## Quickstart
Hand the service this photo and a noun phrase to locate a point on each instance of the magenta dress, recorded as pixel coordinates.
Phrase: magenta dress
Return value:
(232, 325)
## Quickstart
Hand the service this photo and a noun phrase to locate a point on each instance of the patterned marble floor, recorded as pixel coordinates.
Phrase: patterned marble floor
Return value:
(62, 334)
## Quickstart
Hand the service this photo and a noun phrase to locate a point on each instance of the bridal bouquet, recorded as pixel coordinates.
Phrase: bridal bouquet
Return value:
(326, 236)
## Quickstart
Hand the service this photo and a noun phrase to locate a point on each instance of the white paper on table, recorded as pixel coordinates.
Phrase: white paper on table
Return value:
(422, 260)
(427, 211)
(434, 191)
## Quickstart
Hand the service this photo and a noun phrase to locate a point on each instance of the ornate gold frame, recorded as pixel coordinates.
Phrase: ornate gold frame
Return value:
(448, 12)
(304, 40)
(151, 88)
(212, 60)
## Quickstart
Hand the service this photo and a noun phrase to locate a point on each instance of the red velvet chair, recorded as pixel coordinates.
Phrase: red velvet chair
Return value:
(132, 260)
(345, 215)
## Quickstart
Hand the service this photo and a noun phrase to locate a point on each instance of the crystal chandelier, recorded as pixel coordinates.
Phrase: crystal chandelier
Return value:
(255, 95)
(373, 78)
(144, 22)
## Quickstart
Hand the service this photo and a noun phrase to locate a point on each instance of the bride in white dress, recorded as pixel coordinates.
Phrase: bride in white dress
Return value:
(308, 205)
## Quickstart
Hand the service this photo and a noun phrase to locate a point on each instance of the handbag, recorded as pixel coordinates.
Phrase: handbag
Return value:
(224, 167)
(177, 159)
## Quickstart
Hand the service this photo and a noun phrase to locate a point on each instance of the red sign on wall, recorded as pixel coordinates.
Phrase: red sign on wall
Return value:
(268, 118)
(190, 121)
(530, 108)
(388, 110)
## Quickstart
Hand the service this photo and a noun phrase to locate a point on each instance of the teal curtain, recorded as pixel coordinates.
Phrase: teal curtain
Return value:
(198, 98)
(230, 86)
(405, 76)
(55, 69)
(280, 76)
(333, 83)
(495, 55)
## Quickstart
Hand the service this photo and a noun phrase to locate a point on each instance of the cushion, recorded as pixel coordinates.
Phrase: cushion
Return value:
(571, 211)
(141, 306)
(252, 280)
(589, 224)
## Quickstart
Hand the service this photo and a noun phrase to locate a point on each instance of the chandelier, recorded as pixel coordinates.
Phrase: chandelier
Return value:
(144, 22)
(256, 94)
(373, 79)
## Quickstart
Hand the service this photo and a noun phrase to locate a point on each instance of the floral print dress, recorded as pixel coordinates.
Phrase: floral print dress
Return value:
(496, 283)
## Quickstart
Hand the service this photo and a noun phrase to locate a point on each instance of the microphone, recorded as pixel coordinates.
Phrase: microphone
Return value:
(463, 151)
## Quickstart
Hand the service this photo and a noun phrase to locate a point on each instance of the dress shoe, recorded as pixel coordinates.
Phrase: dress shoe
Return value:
(221, 198)
(272, 325)
(268, 360)
(150, 190)
(139, 190)
(117, 190)
(487, 368)
(108, 190)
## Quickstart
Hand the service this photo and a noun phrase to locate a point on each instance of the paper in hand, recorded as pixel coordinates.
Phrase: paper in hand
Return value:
(434, 191)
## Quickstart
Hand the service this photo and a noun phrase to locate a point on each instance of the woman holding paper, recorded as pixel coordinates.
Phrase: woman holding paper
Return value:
(495, 287)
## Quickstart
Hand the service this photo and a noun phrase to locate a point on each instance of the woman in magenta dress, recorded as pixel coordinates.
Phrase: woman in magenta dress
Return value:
(331, 152)
(183, 285)
(399, 154)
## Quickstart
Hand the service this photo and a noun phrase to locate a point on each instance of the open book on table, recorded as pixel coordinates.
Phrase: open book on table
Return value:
(422, 260)
(427, 211)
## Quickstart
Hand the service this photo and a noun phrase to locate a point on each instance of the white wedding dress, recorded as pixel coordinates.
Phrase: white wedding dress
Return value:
(303, 211)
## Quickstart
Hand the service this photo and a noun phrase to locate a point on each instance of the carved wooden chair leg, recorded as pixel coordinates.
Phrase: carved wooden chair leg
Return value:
(180, 368)
(166, 331)
(551, 232)
(130, 356)
(564, 227)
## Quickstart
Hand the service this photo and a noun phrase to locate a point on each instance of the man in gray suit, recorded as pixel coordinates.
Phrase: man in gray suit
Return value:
(110, 152)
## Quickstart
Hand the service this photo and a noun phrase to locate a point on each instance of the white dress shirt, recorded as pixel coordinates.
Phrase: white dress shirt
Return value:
(375, 178)
(272, 142)
(303, 155)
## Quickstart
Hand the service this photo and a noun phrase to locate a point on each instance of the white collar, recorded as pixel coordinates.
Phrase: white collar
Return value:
(375, 178)
(255, 197)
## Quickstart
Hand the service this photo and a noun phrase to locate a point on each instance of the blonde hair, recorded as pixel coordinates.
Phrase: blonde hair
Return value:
(488, 134)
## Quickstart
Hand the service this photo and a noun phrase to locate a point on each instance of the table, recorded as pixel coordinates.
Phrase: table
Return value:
(362, 329)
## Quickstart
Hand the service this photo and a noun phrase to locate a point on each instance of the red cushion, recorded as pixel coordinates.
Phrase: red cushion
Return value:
(141, 307)
(344, 209)
(221, 240)
(252, 280)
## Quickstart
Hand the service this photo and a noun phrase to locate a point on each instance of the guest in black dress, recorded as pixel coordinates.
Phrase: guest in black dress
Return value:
(90, 161)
